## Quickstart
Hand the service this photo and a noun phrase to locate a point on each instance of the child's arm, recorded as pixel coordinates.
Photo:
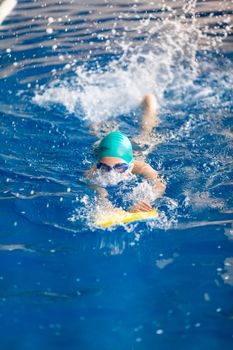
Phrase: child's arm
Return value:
(144, 169)
(141, 168)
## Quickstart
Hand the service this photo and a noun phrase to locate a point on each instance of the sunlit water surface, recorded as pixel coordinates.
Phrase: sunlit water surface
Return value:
(63, 282)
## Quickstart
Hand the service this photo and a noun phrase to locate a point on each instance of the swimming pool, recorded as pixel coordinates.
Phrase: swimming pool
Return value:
(63, 282)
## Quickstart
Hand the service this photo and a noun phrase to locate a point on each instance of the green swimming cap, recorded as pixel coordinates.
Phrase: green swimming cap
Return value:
(116, 145)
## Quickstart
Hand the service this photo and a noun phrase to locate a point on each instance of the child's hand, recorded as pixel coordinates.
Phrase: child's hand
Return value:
(140, 206)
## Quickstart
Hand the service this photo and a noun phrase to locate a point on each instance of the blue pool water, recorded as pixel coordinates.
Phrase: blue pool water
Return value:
(64, 284)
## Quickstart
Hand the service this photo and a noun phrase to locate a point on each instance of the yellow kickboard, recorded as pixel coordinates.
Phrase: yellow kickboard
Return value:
(120, 216)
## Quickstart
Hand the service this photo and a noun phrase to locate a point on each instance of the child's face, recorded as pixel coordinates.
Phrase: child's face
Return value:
(110, 171)
(112, 163)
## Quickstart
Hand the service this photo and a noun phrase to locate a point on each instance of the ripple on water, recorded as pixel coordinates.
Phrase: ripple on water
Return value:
(63, 66)
(117, 53)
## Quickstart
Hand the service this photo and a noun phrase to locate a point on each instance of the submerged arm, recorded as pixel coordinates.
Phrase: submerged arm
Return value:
(101, 191)
(141, 168)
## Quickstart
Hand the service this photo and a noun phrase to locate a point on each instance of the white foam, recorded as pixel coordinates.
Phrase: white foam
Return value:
(111, 178)
(164, 60)
(144, 191)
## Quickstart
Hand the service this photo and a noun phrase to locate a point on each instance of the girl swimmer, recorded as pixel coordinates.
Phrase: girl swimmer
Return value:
(115, 161)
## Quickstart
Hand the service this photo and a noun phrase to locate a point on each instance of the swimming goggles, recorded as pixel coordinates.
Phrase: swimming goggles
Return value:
(120, 168)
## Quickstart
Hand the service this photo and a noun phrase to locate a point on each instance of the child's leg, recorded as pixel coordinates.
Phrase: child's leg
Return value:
(149, 117)
(149, 121)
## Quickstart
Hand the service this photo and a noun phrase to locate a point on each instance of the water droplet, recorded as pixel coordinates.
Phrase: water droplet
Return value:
(49, 30)
(50, 20)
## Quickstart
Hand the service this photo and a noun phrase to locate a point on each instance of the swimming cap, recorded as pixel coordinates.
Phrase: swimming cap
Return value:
(115, 145)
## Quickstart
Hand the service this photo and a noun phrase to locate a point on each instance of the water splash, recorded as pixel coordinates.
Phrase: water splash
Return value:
(165, 59)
